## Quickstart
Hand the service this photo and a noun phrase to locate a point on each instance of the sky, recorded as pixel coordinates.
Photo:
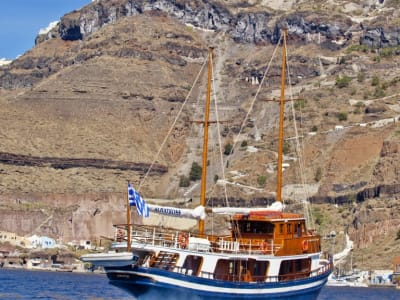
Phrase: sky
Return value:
(21, 20)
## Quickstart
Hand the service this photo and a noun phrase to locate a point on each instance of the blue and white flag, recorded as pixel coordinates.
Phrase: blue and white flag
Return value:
(131, 195)
(136, 200)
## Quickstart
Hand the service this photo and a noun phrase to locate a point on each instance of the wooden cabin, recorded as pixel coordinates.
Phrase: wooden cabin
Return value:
(276, 232)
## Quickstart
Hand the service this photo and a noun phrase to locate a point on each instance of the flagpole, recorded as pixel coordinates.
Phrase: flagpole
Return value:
(128, 221)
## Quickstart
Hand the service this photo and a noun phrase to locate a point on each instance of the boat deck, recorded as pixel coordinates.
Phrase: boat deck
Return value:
(175, 239)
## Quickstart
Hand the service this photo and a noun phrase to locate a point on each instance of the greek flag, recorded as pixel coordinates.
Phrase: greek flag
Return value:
(136, 200)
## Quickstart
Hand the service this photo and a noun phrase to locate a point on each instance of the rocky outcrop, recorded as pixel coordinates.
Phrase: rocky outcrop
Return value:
(67, 163)
(65, 216)
(249, 27)
(388, 190)
(380, 37)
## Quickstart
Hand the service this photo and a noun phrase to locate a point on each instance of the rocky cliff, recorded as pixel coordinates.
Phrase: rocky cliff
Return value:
(89, 106)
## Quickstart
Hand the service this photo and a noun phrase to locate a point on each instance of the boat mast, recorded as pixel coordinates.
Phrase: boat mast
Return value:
(128, 222)
(281, 116)
(205, 139)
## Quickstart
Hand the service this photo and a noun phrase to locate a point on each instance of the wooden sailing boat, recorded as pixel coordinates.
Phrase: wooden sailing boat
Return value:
(269, 254)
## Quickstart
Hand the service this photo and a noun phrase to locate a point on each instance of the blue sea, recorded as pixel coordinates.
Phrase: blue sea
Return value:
(23, 284)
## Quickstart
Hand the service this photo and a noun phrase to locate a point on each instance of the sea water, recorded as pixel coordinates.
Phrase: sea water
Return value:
(23, 284)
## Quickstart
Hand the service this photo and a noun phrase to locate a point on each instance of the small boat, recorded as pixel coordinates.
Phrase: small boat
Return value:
(348, 281)
(110, 259)
(269, 253)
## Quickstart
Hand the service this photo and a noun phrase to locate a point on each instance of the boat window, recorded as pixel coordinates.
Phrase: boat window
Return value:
(299, 230)
(256, 227)
(241, 270)
(295, 269)
(260, 270)
(192, 264)
(223, 269)
(281, 226)
(289, 228)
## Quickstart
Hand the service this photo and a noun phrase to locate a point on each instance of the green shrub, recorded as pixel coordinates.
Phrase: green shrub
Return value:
(228, 149)
(195, 172)
(243, 144)
(385, 85)
(342, 116)
(360, 104)
(361, 48)
(184, 181)
(261, 180)
(361, 77)
(386, 52)
(318, 216)
(318, 174)
(379, 92)
(300, 104)
(375, 81)
(286, 147)
(343, 81)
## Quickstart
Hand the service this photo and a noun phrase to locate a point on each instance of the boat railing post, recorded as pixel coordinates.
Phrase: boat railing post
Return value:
(272, 246)
(176, 240)
(154, 236)
(250, 247)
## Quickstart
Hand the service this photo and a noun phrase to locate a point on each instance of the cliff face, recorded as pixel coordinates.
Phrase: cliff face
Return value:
(249, 24)
(89, 107)
(242, 26)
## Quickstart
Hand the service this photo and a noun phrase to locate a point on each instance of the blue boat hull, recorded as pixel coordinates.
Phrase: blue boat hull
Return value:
(142, 284)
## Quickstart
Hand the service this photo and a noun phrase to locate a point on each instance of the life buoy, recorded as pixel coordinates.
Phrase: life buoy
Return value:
(183, 240)
(304, 245)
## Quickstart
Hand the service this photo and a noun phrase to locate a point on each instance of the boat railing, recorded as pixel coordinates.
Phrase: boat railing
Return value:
(176, 239)
(261, 278)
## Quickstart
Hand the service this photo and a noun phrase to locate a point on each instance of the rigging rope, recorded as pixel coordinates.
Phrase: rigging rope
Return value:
(299, 151)
(255, 97)
(298, 146)
(220, 145)
(237, 231)
(173, 125)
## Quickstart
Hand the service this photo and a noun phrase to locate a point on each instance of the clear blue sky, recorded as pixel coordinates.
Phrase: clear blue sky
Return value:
(21, 20)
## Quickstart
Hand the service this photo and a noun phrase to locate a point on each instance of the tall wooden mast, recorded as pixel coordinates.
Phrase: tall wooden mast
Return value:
(128, 222)
(205, 139)
(281, 116)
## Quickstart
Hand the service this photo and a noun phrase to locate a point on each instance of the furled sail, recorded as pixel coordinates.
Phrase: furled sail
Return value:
(197, 213)
(276, 206)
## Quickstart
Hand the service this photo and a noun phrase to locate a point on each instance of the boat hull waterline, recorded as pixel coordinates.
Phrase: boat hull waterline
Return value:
(145, 282)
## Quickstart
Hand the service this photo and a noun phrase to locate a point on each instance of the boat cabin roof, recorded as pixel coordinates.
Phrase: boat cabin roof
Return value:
(268, 215)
